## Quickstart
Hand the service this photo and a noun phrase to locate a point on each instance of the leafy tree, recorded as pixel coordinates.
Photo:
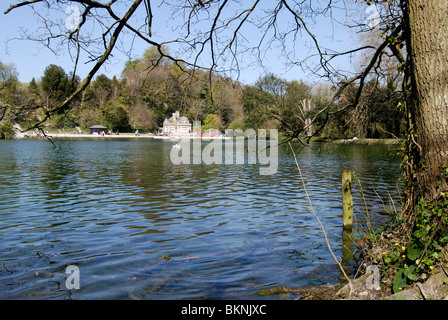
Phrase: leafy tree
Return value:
(275, 98)
(8, 79)
(55, 82)
(117, 118)
(57, 85)
(292, 114)
(6, 130)
(15, 104)
(153, 57)
(237, 124)
(212, 121)
(102, 88)
(8, 87)
(256, 104)
(33, 89)
(205, 96)
(89, 117)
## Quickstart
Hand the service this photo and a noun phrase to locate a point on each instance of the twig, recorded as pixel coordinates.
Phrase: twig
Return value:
(393, 203)
(419, 285)
(320, 223)
(395, 137)
(384, 206)
(444, 270)
(430, 238)
(367, 215)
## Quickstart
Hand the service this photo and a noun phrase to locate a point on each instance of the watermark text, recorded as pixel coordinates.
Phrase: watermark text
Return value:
(231, 150)
(73, 279)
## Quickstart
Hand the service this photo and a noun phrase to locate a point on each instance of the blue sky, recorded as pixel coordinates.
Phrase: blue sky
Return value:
(31, 58)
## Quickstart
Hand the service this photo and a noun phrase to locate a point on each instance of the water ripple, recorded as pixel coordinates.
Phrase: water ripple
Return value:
(139, 227)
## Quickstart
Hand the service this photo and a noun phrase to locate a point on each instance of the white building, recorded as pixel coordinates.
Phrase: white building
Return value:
(176, 125)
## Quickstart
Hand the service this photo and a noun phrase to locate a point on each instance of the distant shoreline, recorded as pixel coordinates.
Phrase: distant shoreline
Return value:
(369, 141)
(62, 135)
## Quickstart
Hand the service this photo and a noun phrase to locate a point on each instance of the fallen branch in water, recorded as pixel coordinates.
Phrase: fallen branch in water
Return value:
(304, 293)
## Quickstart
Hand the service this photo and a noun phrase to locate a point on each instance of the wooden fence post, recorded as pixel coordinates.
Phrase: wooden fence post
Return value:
(347, 199)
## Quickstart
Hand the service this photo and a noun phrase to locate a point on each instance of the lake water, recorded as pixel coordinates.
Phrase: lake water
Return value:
(139, 227)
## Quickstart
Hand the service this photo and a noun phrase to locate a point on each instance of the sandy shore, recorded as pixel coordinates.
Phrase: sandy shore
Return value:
(62, 135)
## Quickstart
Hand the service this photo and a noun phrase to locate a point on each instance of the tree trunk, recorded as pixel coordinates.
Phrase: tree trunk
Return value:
(427, 43)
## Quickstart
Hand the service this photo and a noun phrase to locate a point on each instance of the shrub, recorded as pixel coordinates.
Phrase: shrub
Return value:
(6, 130)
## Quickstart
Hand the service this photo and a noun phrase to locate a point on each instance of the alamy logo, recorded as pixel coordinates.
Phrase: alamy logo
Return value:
(373, 280)
(259, 149)
(74, 18)
(373, 19)
(73, 280)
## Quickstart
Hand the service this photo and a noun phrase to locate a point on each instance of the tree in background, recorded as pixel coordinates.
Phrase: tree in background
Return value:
(8, 88)
(293, 114)
(57, 85)
(117, 118)
(15, 104)
(212, 121)
(256, 103)
(7, 130)
(274, 102)
(103, 89)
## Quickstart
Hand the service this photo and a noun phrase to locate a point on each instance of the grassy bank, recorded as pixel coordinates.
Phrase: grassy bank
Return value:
(366, 141)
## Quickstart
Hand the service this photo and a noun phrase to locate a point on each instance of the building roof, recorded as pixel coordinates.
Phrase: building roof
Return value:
(181, 120)
(97, 126)
(176, 120)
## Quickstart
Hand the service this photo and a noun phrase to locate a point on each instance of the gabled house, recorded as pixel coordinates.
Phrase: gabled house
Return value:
(176, 125)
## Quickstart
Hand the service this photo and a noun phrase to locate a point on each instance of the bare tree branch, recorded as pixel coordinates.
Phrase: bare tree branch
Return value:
(100, 62)
(21, 4)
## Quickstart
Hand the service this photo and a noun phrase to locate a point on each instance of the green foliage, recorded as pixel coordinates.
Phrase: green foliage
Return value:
(399, 281)
(65, 120)
(414, 251)
(408, 258)
(6, 130)
(272, 84)
(152, 88)
(206, 97)
(296, 94)
(237, 124)
(414, 259)
(33, 88)
(376, 115)
(152, 57)
(57, 85)
(117, 118)
(256, 104)
(8, 84)
(54, 82)
(212, 121)
(131, 64)
(103, 82)
(89, 117)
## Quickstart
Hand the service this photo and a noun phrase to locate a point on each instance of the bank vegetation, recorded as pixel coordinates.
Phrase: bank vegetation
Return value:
(140, 99)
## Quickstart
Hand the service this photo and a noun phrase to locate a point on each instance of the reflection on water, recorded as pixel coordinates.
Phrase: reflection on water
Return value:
(139, 227)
